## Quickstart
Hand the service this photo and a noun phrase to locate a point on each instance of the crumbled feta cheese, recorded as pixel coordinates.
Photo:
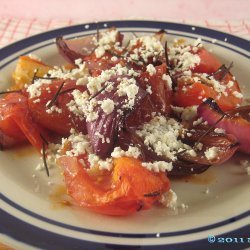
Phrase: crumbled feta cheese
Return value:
(248, 170)
(95, 161)
(131, 152)
(237, 94)
(161, 135)
(107, 106)
(207, 191)
(34, 57)
(168, 80)
(158, 166)
(34, 89)
(219, 130)
(183, 57)
(150, 47)
(149, 89)
(79, 144)
(198, 121)
(230, 84)
(99, 51)
(244, 163)
(151, 69)
(169, 199)
(212, 153)
(189, 113)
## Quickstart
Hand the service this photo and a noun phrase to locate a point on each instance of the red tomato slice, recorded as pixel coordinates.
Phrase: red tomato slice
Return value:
(120, 192)
(193, 93)
(16, 121)
(62, 122)
(209, 63)
(158, 101)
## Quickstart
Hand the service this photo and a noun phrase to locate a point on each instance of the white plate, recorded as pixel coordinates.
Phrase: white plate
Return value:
(30, 218)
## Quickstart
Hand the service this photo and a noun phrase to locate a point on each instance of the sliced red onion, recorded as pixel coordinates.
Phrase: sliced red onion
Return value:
(103, 131)
(80, 47)
(186, 163)
(234, 122)
(181, 167)
(226, 145)
(69, 54)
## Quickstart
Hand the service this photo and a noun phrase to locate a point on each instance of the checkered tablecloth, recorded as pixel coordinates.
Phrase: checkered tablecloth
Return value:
(13, 29)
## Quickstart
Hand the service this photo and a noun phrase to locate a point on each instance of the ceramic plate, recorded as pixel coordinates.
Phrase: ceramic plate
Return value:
(32, 214)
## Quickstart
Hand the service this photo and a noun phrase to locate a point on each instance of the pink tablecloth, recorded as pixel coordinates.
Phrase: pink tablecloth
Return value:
(21, 19)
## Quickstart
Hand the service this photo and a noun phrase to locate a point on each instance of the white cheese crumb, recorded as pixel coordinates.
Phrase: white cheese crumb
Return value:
(131, 152)
(244, 163)
(95, 161)
(151, 69)
(169, 199)
(207, 191)
(237, 94)
(99, 51)
(107, 106)
(230, 84)
(211, 153)
(198, 121)
(158, 166)
(168, 80)
(161, 135)
(34, 57)
(184, 206)
(248, 170)
(189, 113)
(219, 130)
(149, 89)
(79, 144)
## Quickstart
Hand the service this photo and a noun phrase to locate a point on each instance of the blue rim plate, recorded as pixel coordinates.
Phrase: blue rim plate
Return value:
(28, 222)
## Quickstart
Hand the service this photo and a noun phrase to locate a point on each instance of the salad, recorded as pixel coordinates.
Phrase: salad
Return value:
(121, 118)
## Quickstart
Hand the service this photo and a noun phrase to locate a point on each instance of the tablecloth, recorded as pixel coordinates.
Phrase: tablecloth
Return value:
(13, 29)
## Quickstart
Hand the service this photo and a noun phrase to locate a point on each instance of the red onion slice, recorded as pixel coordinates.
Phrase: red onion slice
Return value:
(234, 122)
(103, 131)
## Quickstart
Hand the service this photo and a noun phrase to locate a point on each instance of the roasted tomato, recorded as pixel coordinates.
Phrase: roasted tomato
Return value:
(209, 63)
(159, 96)
(17, 124)
(59, 120)
(120, 192)
(193, 90)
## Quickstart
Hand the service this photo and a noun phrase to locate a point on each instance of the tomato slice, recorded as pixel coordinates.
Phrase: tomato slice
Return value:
(193, 92)
(158, 101)
(120, 192)
(58, 122)
(209, 63)
(17, 123)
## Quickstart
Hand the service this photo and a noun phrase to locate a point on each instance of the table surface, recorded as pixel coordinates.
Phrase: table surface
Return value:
(90, 10)
(21, 19)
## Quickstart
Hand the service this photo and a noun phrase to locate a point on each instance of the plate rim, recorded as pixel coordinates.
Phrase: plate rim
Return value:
(45, 36)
